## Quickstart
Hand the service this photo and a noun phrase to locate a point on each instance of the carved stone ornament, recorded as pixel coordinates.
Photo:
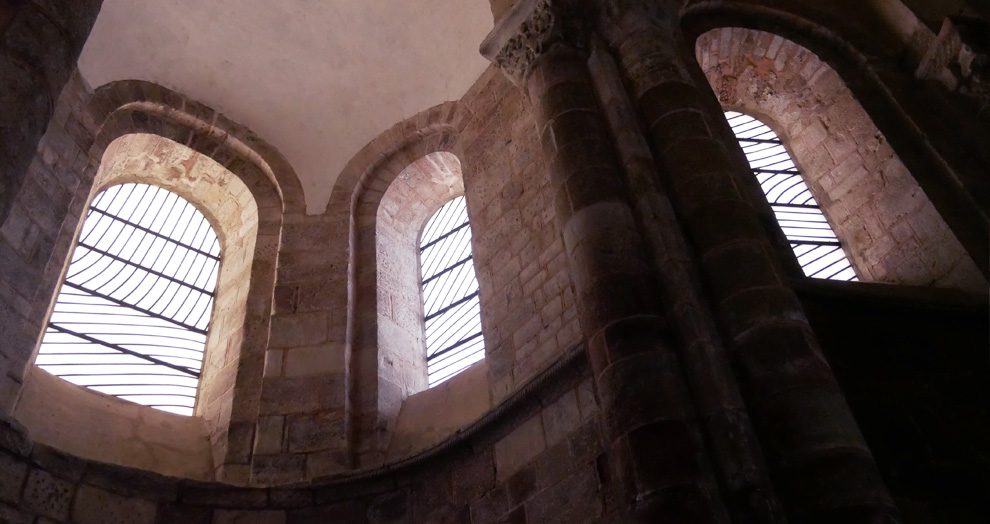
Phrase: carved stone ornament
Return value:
(546, 26)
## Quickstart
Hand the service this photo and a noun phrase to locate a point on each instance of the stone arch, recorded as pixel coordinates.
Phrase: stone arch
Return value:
(363, 186)
(918, 119)
(891, 230)
(96, 422)
(137, 108)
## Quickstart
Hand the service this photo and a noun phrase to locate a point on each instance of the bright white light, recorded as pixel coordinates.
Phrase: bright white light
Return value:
(800, 217)
(139, 284)
(450, 294)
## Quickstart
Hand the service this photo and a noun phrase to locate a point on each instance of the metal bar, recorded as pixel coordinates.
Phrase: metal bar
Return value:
(453, 346)
(134, 307)
(123, 350)
(777, 171)
(159, 235)
(436, 314)
(149, 270)
(448, 269)
(443, 236)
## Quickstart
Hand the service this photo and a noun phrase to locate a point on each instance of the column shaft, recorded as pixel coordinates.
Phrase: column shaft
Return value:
(739, 465)
(657, 452)
(39, 45)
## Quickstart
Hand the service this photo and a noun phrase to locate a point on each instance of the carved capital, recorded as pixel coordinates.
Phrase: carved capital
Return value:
(530, 30)
(958, 58)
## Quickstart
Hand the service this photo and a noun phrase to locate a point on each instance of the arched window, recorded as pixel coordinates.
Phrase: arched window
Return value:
(815, 245)
(451, 307)
(132, 314)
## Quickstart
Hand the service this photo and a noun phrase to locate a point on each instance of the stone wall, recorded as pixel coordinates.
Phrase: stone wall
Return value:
(302, 408)
(80, 154)
(527, 300)
(44, 218)
(534, 461)
(302, 400)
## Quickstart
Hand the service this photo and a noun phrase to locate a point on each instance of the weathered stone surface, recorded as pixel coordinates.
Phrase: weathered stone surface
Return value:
(95, 506)
(316, 346)
(12, 474)
(285, 396)
(48, 495)
(519, 447)
(248, 517)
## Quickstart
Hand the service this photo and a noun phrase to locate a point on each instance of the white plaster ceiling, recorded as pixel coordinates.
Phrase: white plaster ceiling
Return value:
(318, 79)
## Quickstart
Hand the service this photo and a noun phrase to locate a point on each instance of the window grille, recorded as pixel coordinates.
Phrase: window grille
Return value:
(132, 315)
(451, 307)
(815, 245)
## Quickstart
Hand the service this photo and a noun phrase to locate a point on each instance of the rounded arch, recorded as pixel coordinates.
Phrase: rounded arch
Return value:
(137, 108)
(357, 198)
(889, 227)
(95, 420)
(922, 122)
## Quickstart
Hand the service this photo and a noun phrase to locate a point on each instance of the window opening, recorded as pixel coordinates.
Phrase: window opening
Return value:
(815, 245)
(132, 315)
(451, 306)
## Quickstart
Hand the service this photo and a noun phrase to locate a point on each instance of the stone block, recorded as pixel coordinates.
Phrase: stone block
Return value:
(248, 517)
(519, 447)
(68, 466)
(240, 439)
(11, 515)
(283, 396)
(220, 496)
(326, 463)
(269, 470)
(12, 473)
(587, 400)
(290, 497)
(351, 512)
(390, 508)
(177, 513)
(269, 435)
(473, 477)
(48, 495)
(299, 329)
(132, 482)
(95, 506)
(316, 360)
(574, 499)
(491, 507)
(315, 432)
(561, 418)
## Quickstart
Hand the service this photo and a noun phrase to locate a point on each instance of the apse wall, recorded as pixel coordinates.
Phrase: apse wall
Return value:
(306, 426)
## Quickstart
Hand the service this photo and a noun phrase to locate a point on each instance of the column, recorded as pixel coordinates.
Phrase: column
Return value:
(820, 463)
(39, 45)
(657, 459)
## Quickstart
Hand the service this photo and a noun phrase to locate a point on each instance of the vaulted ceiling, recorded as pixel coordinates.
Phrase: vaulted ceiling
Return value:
(318, 79)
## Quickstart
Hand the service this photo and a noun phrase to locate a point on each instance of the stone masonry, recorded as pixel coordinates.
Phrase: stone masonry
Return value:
(652, 351)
